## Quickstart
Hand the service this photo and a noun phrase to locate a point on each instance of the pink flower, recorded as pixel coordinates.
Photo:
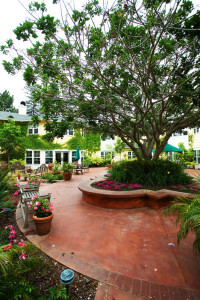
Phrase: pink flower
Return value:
(16, 185)
(36, 197)
(42, 208)
(11, 236)
(35, 207)
(22, 256)
(47, 210)
(27, 179)
(38, 203)
(9, 226)
(15, 193)
(8, 247)
(22, 244)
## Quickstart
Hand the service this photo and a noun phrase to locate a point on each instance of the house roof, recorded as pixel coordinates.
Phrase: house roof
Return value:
(4, 115)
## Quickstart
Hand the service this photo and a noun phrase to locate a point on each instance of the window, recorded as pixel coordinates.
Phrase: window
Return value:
(70, 131)
(33, 157)
(32, 129)
(48, 157)
(108, 138)
(73, 156)
(196, 130)
(185, 132)
(107, 154)
(37, 157)
(197, 155)
(178, 133)
(29, 157)
(131, 155)
(83, 155)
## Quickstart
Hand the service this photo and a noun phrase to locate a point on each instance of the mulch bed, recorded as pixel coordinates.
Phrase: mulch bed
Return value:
(83, 287)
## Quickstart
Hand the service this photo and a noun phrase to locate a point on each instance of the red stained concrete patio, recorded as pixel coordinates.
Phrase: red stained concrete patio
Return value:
(126, 250)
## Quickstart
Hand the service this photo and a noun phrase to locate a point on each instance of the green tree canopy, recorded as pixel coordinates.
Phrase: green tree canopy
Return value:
(33, 104)
(130, 69)
(6, 102)
(119, 146)
(91, 142)
(11, 137)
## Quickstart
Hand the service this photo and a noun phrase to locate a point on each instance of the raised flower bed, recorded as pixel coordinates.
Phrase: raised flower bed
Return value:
(120, 199)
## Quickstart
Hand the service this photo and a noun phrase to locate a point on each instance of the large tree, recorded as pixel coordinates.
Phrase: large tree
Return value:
(6, 102)
(11, 138)
(131, 69)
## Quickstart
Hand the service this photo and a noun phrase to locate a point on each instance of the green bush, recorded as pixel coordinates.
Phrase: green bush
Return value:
(93, 161)
(105, 162)
(150, 174)
(3, 184)
(51, 177)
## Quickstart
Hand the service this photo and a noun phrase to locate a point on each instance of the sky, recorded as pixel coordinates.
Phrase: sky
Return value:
(12, 14)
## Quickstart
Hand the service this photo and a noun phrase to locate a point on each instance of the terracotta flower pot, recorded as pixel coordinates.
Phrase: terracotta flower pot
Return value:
(43, 225)
(67, 176)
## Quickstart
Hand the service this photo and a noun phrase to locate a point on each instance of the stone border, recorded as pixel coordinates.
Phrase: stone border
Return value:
(127, 199)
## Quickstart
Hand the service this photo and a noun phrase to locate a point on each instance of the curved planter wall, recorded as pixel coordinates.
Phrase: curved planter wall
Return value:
(127, 199)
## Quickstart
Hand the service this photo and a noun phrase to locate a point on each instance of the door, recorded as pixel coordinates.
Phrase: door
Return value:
(65, 156)
(58, 157)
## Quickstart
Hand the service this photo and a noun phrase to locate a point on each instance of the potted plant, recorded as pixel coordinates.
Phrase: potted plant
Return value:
(42, 214)
(56, 168)
(67, 171)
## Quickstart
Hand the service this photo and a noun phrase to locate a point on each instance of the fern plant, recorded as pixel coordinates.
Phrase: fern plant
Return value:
(188, 215)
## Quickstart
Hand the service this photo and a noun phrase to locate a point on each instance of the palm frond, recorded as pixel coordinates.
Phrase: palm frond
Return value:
(188, 215)
(5, 260)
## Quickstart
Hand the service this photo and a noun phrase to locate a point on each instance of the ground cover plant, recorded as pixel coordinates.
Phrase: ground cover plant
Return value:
(150, 174)
(193, 188)
(113, 185)
(51, 177)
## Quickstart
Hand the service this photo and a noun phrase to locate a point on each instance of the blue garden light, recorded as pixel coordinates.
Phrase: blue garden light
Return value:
(7, 211)
(67, 277)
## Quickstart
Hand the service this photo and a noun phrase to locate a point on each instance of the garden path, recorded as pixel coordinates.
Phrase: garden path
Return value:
(132, 252)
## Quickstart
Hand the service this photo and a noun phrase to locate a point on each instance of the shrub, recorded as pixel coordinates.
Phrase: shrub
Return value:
(105, 162)
(93, 161)
(150, 174)
(51, 177)
(3, 184)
